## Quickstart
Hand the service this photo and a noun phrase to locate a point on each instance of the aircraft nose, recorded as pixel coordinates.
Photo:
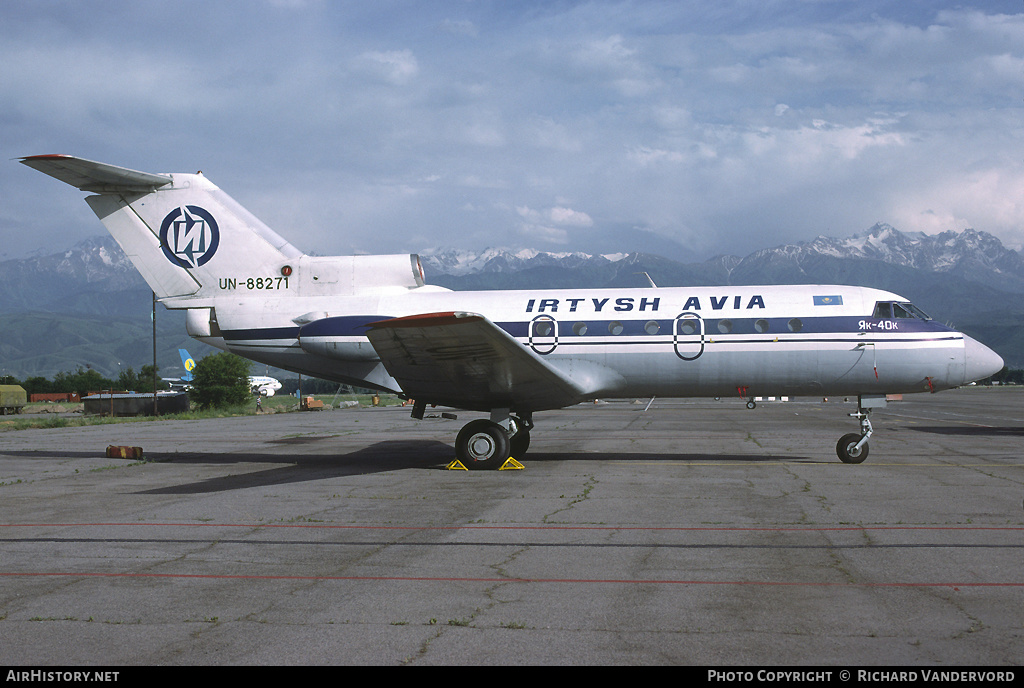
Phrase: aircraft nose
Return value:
(979, 360)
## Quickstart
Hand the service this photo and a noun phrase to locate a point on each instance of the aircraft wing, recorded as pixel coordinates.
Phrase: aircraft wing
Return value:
(92, 176)
(466, 361)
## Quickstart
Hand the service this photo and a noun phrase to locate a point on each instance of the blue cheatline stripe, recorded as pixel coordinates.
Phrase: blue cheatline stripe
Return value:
(611, 340)
(747, 325)
(804, 328)
(341, 326)
(262, 333)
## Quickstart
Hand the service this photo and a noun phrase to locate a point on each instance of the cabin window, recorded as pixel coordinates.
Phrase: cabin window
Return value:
(652, 327)
(687, 326)
(579, 329)
(725, 326)
(542, 328)
(761, 325)
(795, 325)
(615, 327)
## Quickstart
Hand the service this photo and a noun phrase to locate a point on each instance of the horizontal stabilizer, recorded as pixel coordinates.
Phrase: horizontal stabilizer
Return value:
(96, 177)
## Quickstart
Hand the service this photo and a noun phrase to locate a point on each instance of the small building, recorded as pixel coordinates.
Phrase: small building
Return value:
(132, 404)
(65, 397)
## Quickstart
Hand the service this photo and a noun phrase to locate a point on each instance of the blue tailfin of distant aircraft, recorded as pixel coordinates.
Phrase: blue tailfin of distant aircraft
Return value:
(186, 360)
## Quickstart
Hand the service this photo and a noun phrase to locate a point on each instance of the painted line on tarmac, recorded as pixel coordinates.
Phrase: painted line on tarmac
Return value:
(446, 579)
(477, 543)
(331, 526)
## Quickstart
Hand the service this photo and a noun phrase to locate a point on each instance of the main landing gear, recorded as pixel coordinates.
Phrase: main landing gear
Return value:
(486, 444)
(853, 448)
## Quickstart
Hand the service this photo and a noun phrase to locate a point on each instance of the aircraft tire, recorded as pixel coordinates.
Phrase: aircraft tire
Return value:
(482, 445)
(846, 452)
(519, 443)
(751, 404)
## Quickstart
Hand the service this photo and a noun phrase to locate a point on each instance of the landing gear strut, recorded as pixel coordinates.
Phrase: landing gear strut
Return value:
(486, 444)
(853, 448)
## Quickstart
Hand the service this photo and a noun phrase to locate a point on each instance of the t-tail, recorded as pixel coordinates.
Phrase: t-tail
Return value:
(191, 241)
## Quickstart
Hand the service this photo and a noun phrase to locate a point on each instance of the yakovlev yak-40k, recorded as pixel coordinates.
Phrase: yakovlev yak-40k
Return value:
(371, 321)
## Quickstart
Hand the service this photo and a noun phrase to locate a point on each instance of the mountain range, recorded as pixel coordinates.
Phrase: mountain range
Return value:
(87, 306)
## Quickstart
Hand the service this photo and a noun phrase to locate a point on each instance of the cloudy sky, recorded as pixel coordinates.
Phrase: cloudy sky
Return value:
(689, 128)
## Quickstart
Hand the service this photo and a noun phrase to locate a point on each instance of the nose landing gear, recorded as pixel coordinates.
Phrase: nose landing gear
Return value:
(853, 448)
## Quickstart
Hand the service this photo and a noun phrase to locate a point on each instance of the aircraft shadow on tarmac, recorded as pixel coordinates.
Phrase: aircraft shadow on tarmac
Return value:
(393, 455)
(968, 430)
(649, 457)
(297, 467)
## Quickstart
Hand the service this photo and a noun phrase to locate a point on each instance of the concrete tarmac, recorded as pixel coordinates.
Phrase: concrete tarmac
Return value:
(697, 532)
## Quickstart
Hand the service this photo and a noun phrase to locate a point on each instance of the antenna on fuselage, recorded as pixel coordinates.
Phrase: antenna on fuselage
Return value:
(649, 280)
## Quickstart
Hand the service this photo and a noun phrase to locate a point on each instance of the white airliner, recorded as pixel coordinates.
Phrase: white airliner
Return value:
(263, 385)
(371, 321)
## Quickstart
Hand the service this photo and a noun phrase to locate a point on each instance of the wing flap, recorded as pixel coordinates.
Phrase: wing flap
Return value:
(96, 177)
(466, 361)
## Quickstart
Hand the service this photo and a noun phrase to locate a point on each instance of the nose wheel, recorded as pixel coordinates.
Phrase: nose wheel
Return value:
(850, 448)
(853, 448)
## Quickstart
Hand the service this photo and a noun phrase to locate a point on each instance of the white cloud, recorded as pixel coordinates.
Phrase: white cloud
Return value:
(397, 67)
(558, 215)
(548, 235)
(568, 216)
(723, 130)
(990, 197)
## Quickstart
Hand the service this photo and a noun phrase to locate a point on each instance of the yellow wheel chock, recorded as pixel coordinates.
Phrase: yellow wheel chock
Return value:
(509, 465)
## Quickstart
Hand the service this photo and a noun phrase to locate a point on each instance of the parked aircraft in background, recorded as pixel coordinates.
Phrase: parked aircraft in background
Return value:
(182, 383)
(188, 363)
(371, 321)
(263, 385)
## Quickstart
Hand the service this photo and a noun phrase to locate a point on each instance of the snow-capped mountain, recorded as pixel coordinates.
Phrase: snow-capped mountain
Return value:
(69, 281)
(969, 250)
(458, 262)
(972, 255)
(968, 278)
(92, 260)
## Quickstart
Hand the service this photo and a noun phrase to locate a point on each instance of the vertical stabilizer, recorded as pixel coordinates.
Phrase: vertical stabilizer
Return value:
(189, 363)
(180, 230)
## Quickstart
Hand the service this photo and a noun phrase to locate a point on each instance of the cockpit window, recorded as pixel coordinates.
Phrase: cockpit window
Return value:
(885, 310)
(899, 312)
(918, 313)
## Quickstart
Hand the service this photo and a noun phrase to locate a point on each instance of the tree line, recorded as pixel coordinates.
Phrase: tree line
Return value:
(1006, 376)
(85, 380)
(218, 380)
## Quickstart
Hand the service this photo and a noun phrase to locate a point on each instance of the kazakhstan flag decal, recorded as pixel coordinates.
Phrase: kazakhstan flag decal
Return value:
(828, 300)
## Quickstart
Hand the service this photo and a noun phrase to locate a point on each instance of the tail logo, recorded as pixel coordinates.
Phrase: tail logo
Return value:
(189, 236)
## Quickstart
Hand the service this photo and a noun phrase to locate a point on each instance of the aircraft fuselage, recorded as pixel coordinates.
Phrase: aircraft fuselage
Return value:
(686, 341)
